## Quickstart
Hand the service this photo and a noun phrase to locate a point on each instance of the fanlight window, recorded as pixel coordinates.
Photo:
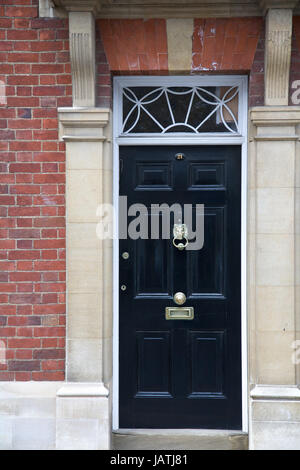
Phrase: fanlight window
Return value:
(165, 110)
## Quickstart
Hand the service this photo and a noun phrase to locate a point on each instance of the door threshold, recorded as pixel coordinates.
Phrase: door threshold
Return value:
(179, 439)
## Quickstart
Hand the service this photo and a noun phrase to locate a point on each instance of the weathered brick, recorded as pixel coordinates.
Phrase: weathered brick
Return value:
(23, 135)
(6, 332)
(49, 157)
(25, 287)
(24, 365)
(7, 134)
(25, 299)
(22, 376)
(24, 123)
(40, 46)
(24, 309)
(7, 200)
(24, 254)
(19, 57)
(46, 244)
(53, 365)
(49, 309)
(24, 233)
(48, 376)
(21, 35)
(24, 113)
(21, 23)
(50, 287)
(6, 376)
(24, 343)
(25, 146)
(49, 265)
(49, 354)
(45, 135)
(7, 244)
(47, 68)
(23, 211)
(8, 287)
(24, 331)
(25, 189)
(49, 222)
(24, 320)
(47, 35)
(24, 12)
(24, 244)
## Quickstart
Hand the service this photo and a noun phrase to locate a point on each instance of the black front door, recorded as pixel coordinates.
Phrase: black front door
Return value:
(181, 373)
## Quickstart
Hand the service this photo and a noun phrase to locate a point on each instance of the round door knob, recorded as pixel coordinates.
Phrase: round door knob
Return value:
(179, 298)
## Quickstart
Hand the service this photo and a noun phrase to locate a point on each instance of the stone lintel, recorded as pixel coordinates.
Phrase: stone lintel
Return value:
(169, 8)
(162, 8)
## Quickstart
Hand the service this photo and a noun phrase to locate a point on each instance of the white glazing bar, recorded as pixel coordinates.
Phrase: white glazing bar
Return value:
(202, 95)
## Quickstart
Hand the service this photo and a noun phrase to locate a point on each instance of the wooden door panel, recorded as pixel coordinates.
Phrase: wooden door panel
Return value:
(206, 175)
(207, 364)
(182, 373)
(153, 176)
(151, 261)
(153, 364)
(205, 267)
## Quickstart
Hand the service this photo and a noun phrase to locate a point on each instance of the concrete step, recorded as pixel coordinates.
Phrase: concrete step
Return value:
(179, 439)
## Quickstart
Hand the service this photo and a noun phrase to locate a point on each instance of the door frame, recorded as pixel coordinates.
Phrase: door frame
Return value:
(193, 139)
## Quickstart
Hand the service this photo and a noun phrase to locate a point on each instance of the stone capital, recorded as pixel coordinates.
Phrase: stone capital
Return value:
(83, 124)
(275, 116)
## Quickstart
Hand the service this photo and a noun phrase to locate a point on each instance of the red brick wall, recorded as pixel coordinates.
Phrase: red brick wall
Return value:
(35, 68)
(103, 85)
(256, 77)
(36, 71)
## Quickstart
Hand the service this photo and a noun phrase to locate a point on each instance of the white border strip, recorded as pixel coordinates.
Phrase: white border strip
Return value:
(192, 139)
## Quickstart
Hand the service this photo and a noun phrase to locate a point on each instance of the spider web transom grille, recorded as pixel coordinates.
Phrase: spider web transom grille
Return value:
(165, 110)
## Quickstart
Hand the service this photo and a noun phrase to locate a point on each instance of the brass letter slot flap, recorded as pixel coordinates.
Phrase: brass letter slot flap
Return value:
(179, 313)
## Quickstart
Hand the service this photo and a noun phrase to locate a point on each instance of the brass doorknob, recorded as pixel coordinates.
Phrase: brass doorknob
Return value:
(179, 298)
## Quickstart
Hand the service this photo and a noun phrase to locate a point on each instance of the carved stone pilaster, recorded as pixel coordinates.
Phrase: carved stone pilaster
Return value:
(82, 55)
(278, 56)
